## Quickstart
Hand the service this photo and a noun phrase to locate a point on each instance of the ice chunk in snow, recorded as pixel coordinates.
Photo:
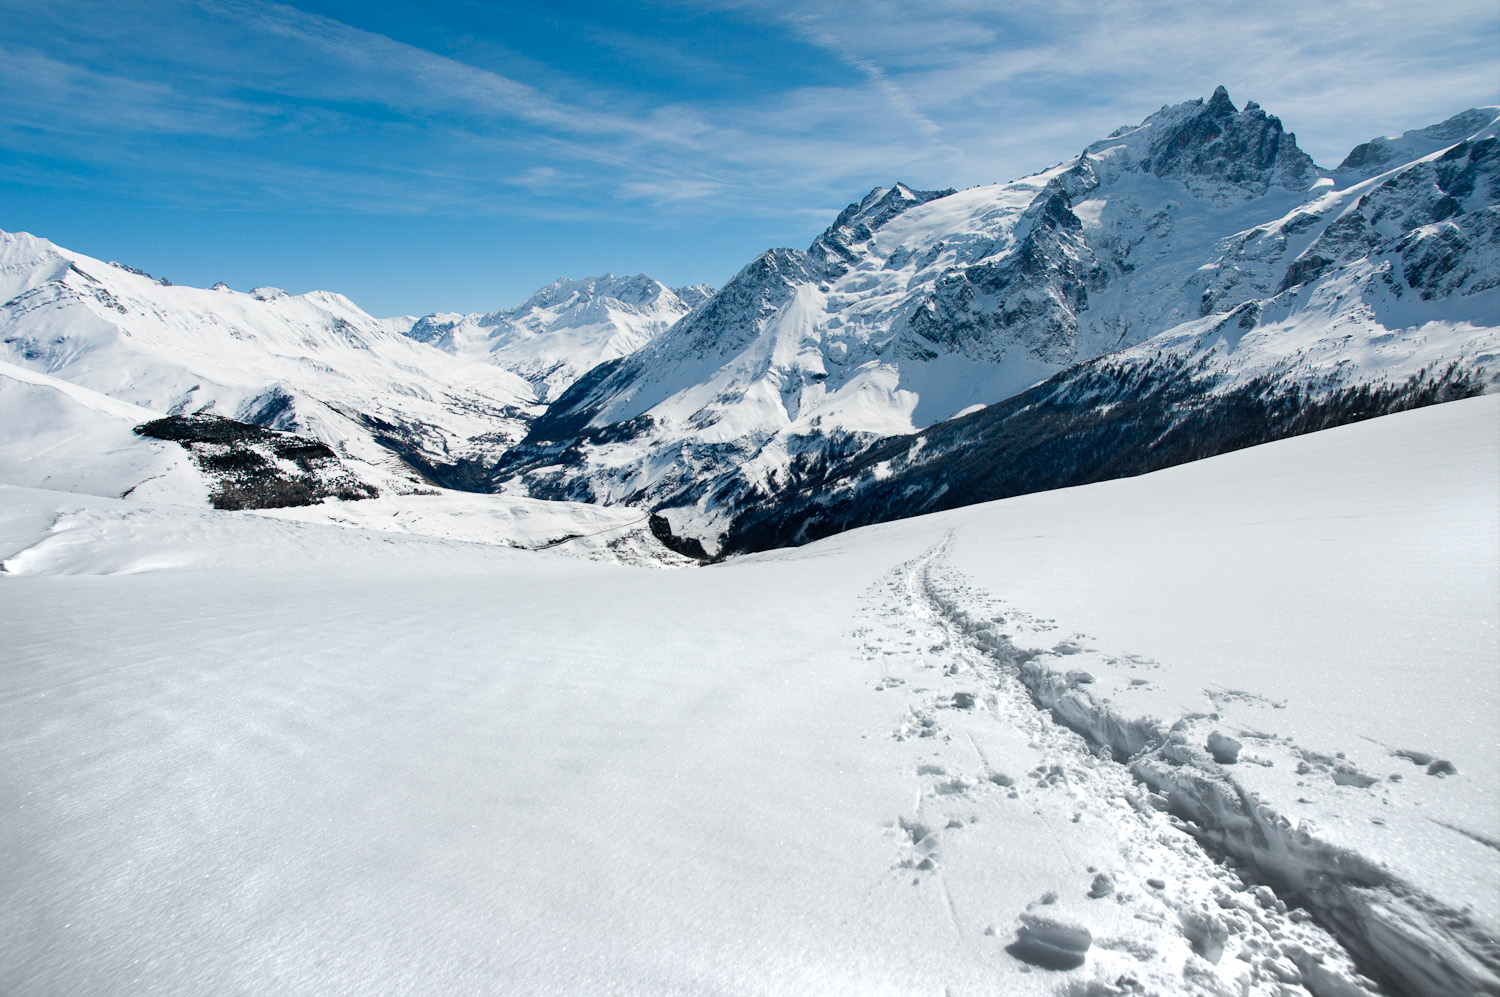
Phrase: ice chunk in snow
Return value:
(1051, 941)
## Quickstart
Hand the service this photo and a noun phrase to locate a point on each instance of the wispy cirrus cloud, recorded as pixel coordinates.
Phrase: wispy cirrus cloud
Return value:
(958, 92)
(992, 75)
(691, 115)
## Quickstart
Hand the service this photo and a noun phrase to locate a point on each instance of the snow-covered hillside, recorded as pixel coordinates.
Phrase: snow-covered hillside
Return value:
(565, 329)
(1168, 734)
(60, 436)
(1203, 233)
(314, 363)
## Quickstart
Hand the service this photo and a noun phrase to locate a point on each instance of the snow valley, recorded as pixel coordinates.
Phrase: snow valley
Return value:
(1077, 588)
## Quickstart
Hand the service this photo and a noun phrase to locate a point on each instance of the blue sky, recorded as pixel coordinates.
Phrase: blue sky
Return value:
(452, 155)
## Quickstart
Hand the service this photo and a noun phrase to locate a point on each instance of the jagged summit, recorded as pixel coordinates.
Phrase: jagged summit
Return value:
(635, 291)
(880, 205)
(694, 295)
(1208, 145)
(859, 221)
(1203, 224)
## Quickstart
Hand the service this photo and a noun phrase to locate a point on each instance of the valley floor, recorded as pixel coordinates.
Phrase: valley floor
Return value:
(251, 755)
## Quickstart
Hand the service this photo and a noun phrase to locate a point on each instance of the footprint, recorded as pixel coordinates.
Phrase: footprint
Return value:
(1434, 766)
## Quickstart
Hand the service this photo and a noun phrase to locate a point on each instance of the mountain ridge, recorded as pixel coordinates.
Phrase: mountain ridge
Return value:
(1203, 223)
(564, 329)
(1203, 233)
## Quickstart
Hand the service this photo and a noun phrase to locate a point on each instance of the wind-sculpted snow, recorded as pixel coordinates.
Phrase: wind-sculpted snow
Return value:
(61, 436)
(1203, 231)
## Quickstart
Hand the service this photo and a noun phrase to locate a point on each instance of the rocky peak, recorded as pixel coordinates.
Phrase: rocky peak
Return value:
(564, 292)
(1246, 148)
(693, 295)
(435, 329)
(730, 319)
(1213, 147)
(859, 221)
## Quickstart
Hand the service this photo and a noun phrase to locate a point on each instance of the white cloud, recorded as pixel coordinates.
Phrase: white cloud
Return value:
(297, 106)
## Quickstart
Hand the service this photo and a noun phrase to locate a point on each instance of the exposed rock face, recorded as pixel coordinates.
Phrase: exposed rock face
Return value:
(1378, 155)
(835, 250)
(1041, 287)
(1247, 149)
(1440, 219)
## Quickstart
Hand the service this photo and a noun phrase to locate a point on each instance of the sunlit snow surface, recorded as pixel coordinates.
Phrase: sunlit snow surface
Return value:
(244, 755)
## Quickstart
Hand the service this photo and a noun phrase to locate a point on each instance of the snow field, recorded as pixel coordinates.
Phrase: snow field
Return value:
(251, 755)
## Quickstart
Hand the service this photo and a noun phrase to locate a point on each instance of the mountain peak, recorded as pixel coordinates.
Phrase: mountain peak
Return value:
(858, 222)
(638, 291)
(1212, 147)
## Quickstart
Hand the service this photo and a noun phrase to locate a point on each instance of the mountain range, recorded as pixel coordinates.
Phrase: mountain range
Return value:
(1201, 246)
(1187, 285)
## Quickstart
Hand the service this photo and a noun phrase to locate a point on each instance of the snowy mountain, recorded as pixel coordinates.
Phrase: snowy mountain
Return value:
(1203, 234)
(312, 363)
(565, 329)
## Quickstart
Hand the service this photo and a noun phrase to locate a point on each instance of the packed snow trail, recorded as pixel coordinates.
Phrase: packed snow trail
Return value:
(1164, 915)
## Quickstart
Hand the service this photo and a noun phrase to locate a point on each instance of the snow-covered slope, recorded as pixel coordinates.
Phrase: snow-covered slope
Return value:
(1381, 155)
(1203, 233)
(61, 436)
(313, 363)
(565, 329)
(614, 534)
(973, 753)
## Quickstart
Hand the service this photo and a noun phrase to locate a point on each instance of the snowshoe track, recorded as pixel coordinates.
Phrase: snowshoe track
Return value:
(983, 747)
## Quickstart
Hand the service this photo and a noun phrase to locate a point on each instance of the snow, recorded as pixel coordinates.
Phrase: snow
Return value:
(58, 435)
(1379, 155)
(564, 329)
(606, 533)
(314, 363)
(248, 754)
(1329, 622)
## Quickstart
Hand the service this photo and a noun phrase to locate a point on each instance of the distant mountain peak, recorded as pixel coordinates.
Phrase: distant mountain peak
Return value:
(637, 290)
(566, 328)
(694, 295)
